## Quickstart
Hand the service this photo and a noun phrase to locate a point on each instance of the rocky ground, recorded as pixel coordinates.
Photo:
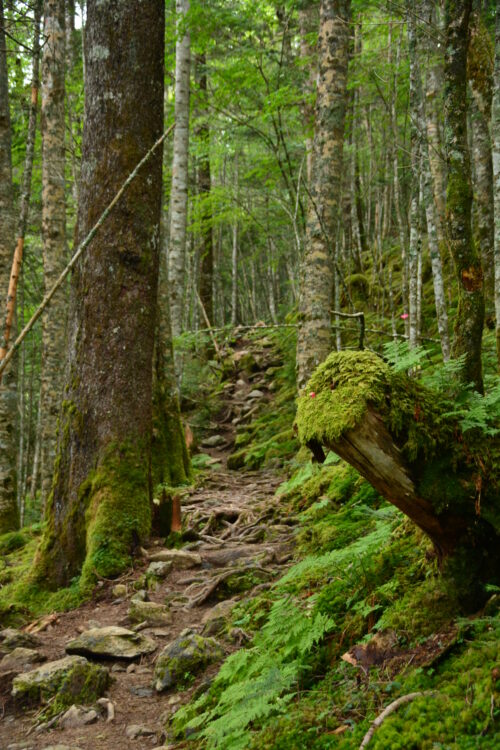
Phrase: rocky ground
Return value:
(147, 641)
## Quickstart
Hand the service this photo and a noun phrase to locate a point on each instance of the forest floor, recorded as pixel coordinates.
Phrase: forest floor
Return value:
(234, 512)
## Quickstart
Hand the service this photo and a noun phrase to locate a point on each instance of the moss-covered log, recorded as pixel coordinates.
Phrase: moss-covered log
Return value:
(100, 506)
(397, 434)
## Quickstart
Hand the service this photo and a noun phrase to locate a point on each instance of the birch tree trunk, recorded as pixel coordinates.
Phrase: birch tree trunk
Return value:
(415, 230)
(53, 229)
(179, 190)
(205, 194)
(495, 133)
(470, 313)
(314, 338)
(9, 516)
(100, 507)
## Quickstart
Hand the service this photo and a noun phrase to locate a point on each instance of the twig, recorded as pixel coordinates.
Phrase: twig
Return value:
(388, 711)
(81, 247)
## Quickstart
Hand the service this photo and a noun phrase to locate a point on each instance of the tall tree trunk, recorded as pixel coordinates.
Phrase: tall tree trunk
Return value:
(308, 18)
(205, 193)
(314, 338)
(100, 507)
(9, 516)
(470, 314)
(495, 133)
(179, 190)
(53, 228)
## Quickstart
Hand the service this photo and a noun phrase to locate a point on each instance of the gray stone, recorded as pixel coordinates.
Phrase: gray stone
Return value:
(159, 569)
(216, 619)
(73, 679)
(76, 716)
(141, 691)
(179, 558)
(134, 731)
(20, 658)
(213, 441)
(150, 612)
(10, 638)
(61, 747)
(19, 746)
(188, 654)
(111, 641)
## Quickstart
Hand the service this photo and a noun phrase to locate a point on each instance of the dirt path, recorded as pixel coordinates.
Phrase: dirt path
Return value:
(244, 543)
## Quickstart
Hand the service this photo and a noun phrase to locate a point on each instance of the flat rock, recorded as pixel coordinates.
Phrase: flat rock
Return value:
(141, 691)
(20, 659)
(187, 655)
(73, 679)
(10, 638)
(111, 641)
(159, 569)
(134, 731)
(150, 612)
(76, 716)
(213, 441)
(180, 559)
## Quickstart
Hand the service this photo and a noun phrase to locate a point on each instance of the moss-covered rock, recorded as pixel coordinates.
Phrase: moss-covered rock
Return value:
(111, 642)
(150, 612)
(185, 657)
(72, 679)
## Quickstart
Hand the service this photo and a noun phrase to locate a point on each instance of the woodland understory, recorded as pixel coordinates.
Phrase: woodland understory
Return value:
(249, 374)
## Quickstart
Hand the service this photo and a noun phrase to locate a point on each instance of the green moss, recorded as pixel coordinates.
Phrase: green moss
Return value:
(11, 541)
(343, 386)
(118, 512)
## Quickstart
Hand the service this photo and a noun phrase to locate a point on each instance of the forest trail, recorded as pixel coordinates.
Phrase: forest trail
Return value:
(243, 541)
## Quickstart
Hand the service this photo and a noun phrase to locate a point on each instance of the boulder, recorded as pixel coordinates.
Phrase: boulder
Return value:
(159, 569)
(10, 638)
(111, 642)
(20, 658)
(72, 679)
(180, 559)
(150, 612)
(255, 394)
(213, 441)
(216, 619)
(187, 655)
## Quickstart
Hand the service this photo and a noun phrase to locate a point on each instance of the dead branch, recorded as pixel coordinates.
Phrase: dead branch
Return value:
(388, 711)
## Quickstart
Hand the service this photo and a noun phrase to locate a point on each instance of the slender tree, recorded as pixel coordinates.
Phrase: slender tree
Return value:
(179, 190)
(99, 509)
(470, 313)
(9, 516)
(53, 228)
(317, 265)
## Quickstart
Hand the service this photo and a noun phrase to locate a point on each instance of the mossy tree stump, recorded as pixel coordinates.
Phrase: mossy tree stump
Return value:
(397, 434)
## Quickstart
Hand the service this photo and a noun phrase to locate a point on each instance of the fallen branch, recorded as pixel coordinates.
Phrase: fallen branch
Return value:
(388, 711)
(81, 248)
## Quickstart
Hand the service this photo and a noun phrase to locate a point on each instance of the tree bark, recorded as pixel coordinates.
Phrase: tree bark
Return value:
(470, 313)
(205, 193)
(314, 338)
(100, 507)
(495, 133)
(53, 229)
(397, 435)
(179, 190)
(9, 516)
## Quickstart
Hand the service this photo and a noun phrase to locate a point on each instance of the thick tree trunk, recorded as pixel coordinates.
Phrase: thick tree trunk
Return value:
(470, 314)
(53, 228)
(314, 334)
(179, 190)
(100, 510)
(396, 434)
(9, 516)
(495, 135)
